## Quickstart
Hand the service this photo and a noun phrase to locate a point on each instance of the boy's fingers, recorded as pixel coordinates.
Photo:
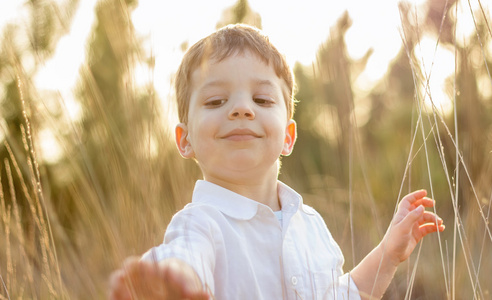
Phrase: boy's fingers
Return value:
(430, 217)
(426, 202)
(118, 288)
(412, 217)
(411, 199)
(130, 261)
(430, 222)
(200, 296)
(131, 267)
(429, 228)
(169, 272)
(147, 280)
(414, 196)
(137, 277)
(150, 285)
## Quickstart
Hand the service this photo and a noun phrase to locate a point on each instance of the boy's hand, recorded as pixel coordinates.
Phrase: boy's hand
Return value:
(168, 279)
(410, 224)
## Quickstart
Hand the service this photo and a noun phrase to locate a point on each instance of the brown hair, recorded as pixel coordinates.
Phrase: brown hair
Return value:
(220, 45)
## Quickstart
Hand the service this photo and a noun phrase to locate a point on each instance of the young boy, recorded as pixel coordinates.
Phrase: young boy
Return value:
(247, 235)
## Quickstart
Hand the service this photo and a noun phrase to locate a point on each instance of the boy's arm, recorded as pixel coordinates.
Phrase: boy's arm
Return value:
(410, 224)
(167, 279)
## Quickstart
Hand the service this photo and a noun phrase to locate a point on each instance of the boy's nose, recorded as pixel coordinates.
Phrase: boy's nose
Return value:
(242, 109)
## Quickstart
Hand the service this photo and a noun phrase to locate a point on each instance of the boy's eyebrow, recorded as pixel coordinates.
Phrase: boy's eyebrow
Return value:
(263, 82)
(213, 83)
(221, 83)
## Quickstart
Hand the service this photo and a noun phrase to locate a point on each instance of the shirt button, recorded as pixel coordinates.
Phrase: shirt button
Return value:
(294, 280)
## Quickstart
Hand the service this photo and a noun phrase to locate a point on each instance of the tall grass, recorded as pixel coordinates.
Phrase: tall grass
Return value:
(63, 230)
(66, 225)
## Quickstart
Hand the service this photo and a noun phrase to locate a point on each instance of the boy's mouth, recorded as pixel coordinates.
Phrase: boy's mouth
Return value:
(240, 134)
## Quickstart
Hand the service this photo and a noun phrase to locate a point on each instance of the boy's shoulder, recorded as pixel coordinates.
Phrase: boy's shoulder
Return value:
(309, 210)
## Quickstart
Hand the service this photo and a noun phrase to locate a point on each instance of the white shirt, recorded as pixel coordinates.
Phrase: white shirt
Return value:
(240, 250)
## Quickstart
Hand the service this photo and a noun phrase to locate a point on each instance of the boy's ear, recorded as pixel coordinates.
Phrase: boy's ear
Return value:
(290, 137)
(184, 145)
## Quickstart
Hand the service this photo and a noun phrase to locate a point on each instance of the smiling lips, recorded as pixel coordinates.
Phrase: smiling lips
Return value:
(240, 135)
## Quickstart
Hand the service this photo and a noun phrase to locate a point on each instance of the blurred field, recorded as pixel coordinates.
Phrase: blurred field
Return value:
(68, 220)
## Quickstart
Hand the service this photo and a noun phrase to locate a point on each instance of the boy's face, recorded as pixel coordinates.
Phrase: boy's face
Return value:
(237, 120)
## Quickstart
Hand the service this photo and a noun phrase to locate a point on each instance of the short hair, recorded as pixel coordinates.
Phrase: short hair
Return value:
(225, 42)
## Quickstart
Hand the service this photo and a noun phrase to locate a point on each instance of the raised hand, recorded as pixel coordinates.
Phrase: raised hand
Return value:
(168, 279)
(409, 225)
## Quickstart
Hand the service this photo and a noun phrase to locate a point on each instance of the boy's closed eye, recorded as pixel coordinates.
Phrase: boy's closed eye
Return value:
(212, 103)
(264, 101)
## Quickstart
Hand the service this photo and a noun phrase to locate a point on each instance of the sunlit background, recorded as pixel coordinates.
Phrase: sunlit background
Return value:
(393, 95)
(298, 30)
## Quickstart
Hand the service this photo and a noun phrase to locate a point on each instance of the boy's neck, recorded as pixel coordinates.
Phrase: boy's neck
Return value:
(262, 191)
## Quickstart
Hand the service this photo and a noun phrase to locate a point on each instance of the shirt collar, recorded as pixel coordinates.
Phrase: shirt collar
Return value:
(240, 207)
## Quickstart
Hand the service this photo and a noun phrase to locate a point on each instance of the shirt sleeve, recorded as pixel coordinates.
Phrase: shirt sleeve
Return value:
(347, 288)
(189, 238)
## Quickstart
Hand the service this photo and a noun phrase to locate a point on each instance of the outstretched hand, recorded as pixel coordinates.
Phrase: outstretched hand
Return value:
(409, 225)
(168, 279)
